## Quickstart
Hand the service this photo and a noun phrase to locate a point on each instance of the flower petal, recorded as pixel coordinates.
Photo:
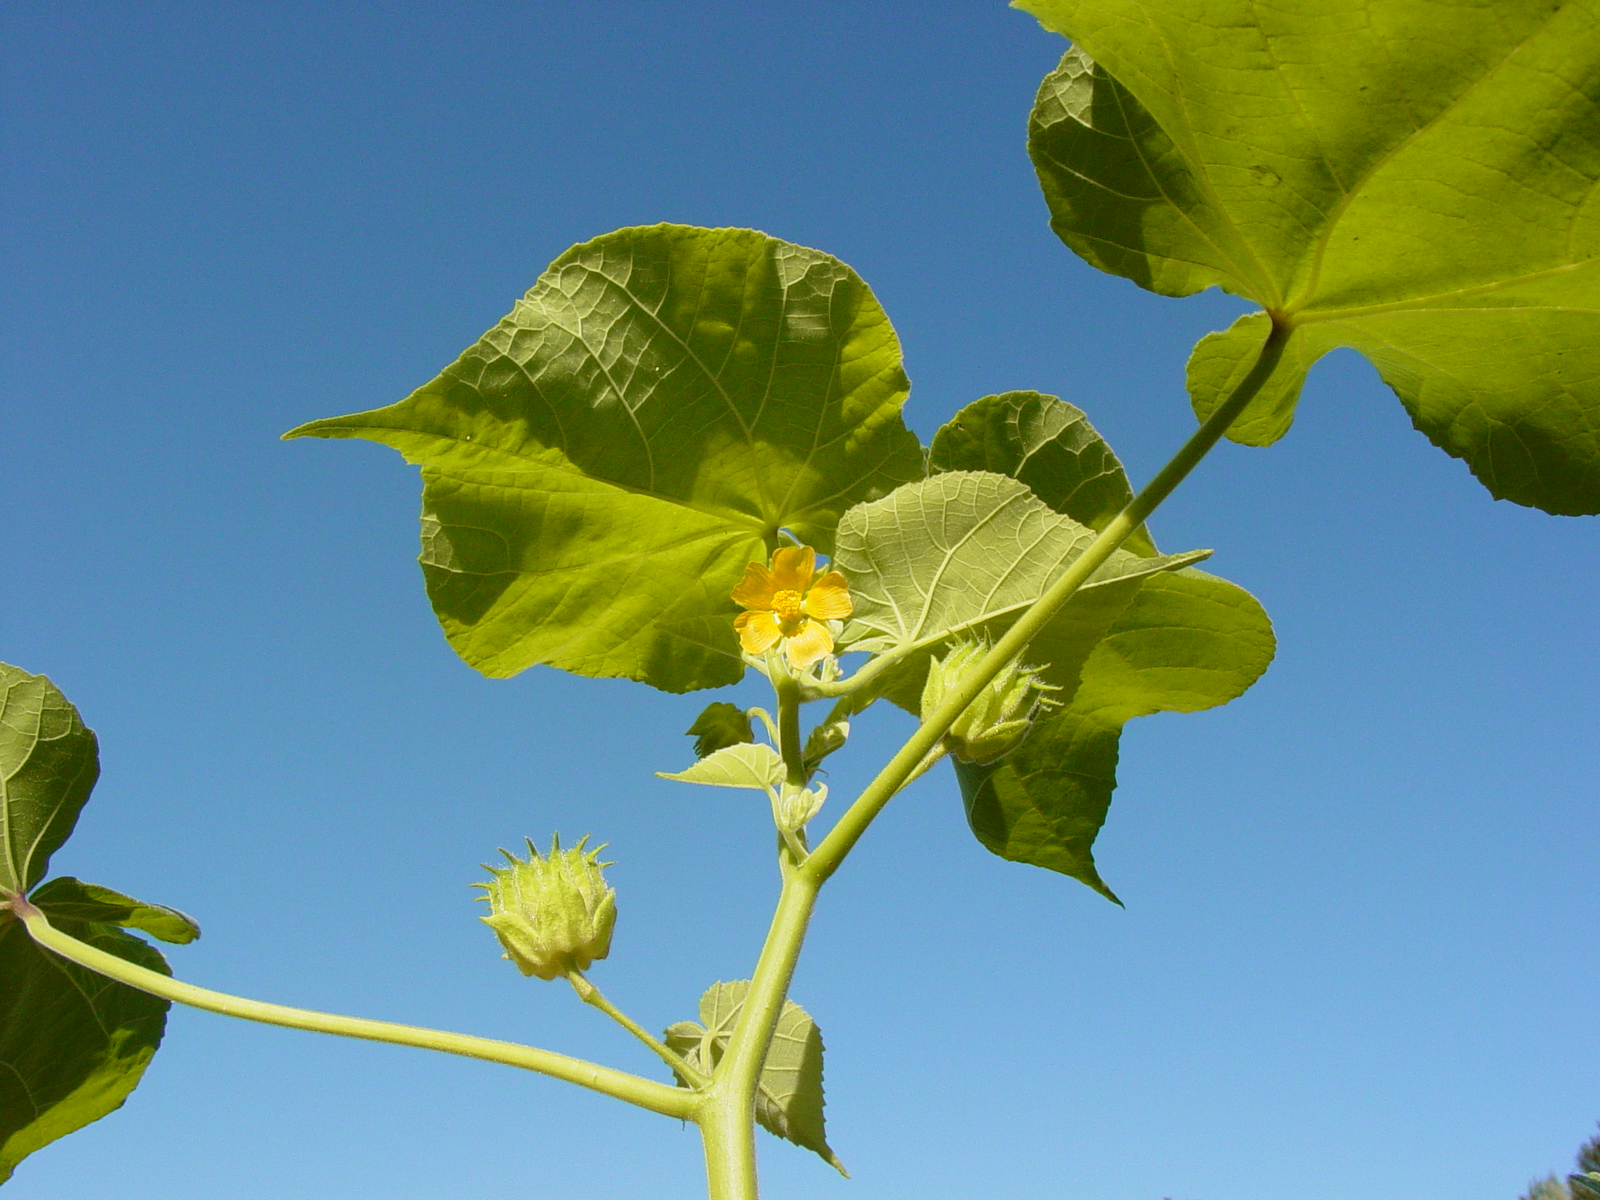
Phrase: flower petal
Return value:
(811, 644)
(756, 588)
(793, 567)
(829, 598)
(757, 631)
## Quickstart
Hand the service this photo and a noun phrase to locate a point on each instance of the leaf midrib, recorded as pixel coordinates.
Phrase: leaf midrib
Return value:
(903, 646)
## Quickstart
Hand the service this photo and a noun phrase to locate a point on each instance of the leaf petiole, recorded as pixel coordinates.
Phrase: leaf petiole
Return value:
(592, 996)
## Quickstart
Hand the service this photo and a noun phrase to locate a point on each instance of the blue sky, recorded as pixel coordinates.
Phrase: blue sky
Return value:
(1358, 956)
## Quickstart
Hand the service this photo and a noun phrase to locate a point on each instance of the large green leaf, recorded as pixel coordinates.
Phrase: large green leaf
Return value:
(1181, 642)
(48, 765)
(961, 551)
(72, 1043)
(601, 465)
(789, 1101)
(1049, 445)
(1416, 181)
(1173, 640)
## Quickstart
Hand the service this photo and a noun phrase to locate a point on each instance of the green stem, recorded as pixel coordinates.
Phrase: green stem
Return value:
(646, 1093)
(789, 744)
(728, 1133)
(830, 852)
(591, 995)
(727, 1118)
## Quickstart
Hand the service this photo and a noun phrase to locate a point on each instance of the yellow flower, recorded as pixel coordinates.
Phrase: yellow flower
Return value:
(790, 601)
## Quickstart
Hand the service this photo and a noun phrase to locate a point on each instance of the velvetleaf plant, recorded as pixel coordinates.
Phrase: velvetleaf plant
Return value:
(640, 471)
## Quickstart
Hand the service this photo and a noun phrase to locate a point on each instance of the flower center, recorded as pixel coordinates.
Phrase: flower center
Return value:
(786, 606)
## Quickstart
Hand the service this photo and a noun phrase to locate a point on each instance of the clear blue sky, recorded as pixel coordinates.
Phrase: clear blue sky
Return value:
(1358, 958)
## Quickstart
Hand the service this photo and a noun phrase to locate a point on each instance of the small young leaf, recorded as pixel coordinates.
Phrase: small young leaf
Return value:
(747, 765)
(721, 725)
(823, 740)
(789, 1102)
(1415, 181)
(48, 765)
(599, 468)
(72, 1043)
(1047, 444)
(72, 899)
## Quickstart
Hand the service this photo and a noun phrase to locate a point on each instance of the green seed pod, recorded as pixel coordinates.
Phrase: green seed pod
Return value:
(999, 717)
(552, 914)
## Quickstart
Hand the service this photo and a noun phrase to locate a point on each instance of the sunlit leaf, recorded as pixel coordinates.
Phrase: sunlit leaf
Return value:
(1173, 641)
(1416, 181)
(600, 466)
(1181, 642)
(747, 765)
(48, 766)
(1049, 445)
(73, 1044)
(789, 1102)
(961, 551)
(72, 899)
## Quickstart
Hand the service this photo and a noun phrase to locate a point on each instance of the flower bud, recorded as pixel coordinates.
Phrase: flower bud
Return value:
(552, 914)
(797, 805)
(999, 717)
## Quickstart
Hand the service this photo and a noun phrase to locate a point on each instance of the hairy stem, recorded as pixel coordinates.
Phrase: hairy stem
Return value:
(830, 852)
(789, 744)
(727, 1118)
(592, 996)
(646, 1093)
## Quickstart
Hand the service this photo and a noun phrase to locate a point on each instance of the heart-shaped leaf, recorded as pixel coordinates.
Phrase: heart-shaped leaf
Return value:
(1049, 445)
(961, 551)
(48, 765)
(1171, 641)
(789, 1099)
(1418, 182)
(73, 1044)
(746, 765)
(600, 466)
(1180, 642)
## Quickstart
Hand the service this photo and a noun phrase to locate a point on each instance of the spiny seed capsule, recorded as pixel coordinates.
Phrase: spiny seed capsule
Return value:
(552, 914)
(999, 717)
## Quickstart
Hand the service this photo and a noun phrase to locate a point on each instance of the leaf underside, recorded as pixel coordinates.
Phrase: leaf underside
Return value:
(1166, 640)
(48, 766)
(744, 765)
(1420, 182)
(600, 466)
(789, 1099)
(73, 1044)
(72, 899)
